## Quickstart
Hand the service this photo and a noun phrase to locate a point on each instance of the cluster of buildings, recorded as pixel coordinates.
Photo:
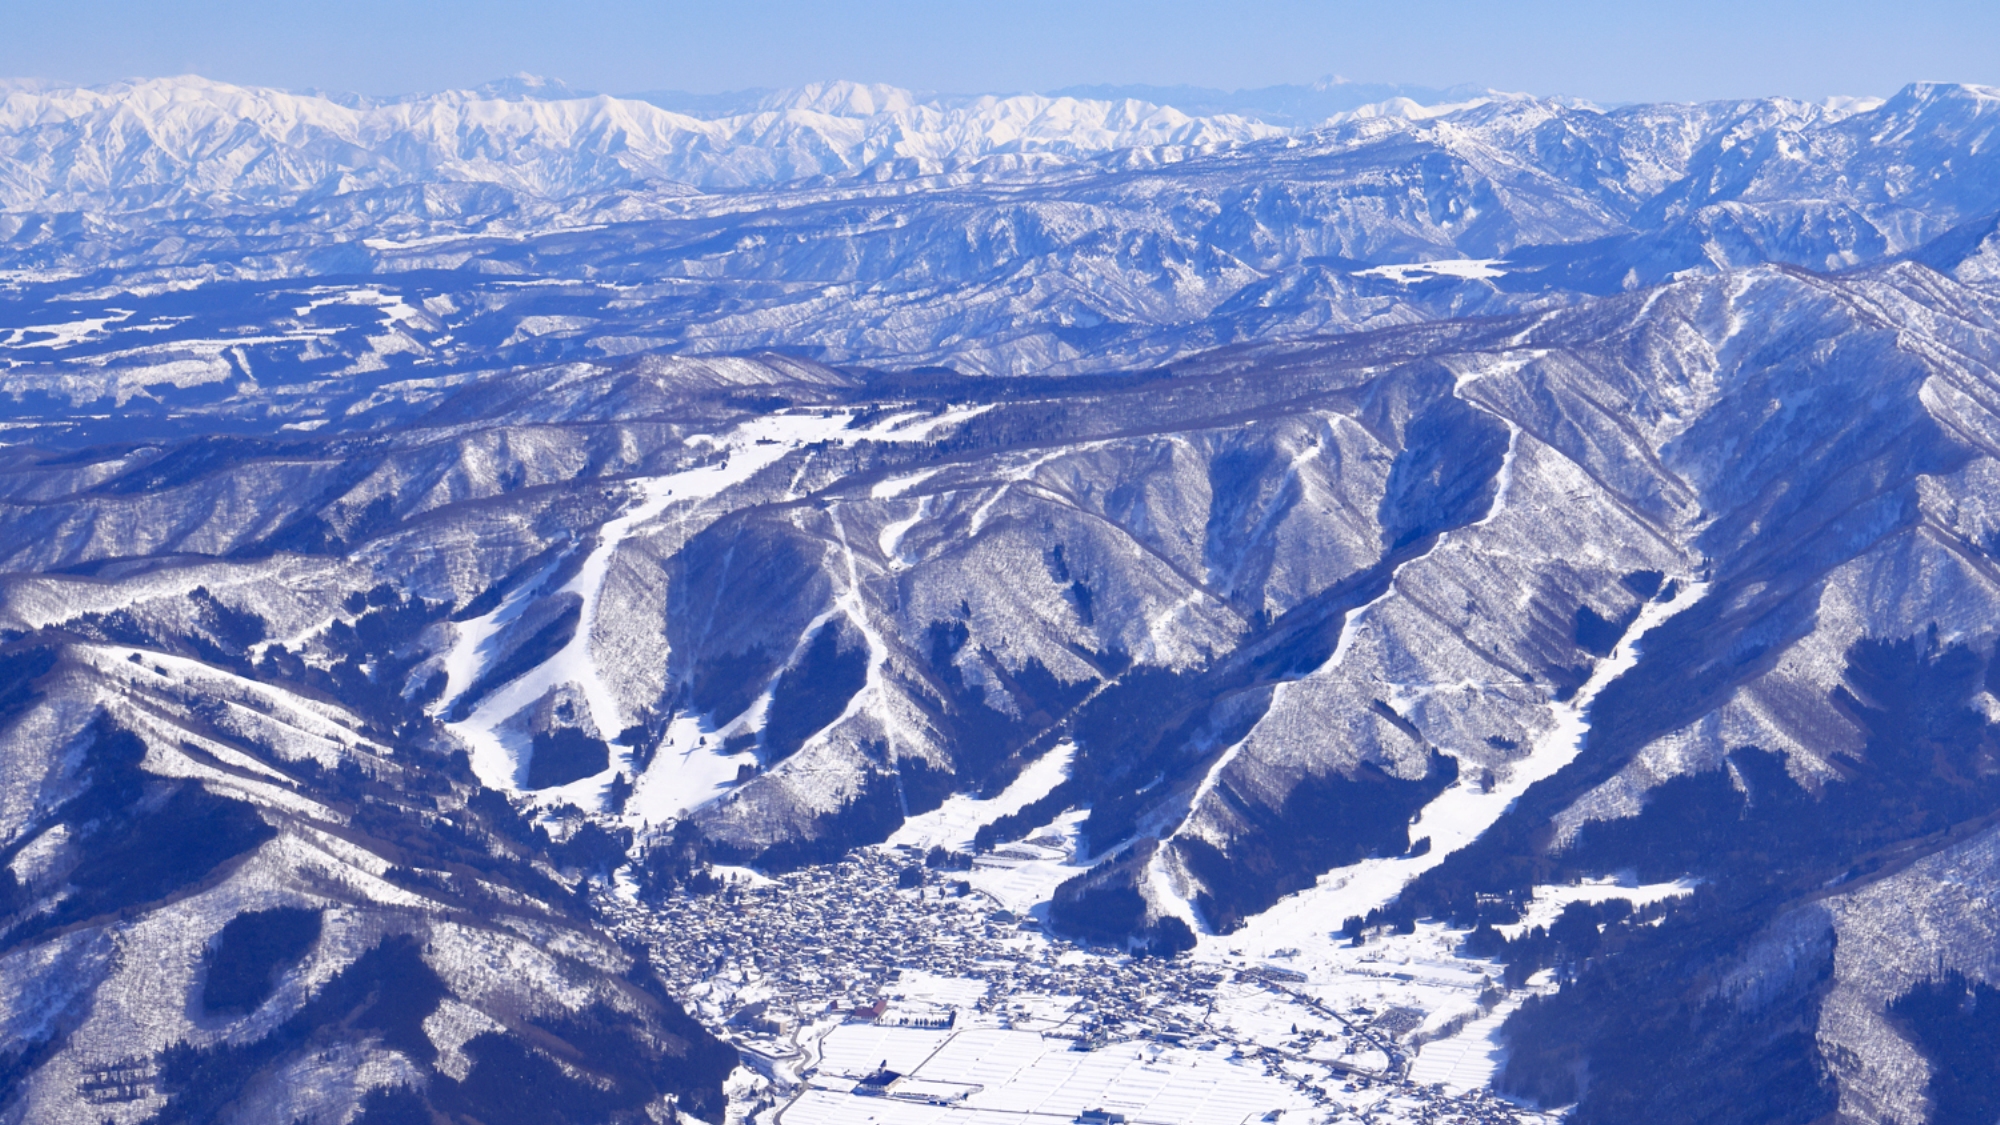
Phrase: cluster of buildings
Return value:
(781, 965)
(839, 941)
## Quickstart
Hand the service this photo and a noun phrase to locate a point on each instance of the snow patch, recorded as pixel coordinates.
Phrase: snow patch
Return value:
(896, 486)
(686, 773)
(953, 824)
(1503, 480)
(1552, 899)
(1023, 877)
(65, 334)
(1465, 269)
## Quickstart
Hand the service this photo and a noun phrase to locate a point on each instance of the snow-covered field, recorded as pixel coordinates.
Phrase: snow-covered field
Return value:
(1023, 876)
(1470, 269)
(953, 824)
(1466, 1061)
(990, 1075)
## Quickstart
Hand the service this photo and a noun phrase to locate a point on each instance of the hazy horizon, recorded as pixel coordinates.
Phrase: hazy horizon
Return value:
(1697, 51)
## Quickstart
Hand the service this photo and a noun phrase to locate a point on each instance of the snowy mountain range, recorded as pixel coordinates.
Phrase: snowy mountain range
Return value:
(1069, 236)
(443, 509)
(173, 143)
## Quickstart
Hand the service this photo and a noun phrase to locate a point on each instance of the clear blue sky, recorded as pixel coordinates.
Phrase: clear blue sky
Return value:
(1605, 50)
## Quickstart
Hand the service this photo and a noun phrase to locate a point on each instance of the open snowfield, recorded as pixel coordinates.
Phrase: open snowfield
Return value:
(1022, 1076)
(1466, 1061)
(1468, 269)
(953, 824)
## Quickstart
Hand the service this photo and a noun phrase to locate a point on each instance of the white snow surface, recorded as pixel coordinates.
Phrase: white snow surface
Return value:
(1023, 1077)
(209, 139)
(686, 773)
(953, 824)
(1023, 877)
(1464, 269)
(1550, 901)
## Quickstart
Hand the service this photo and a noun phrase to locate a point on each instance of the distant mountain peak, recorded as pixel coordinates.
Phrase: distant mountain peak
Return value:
(844, 99)
(524, 86)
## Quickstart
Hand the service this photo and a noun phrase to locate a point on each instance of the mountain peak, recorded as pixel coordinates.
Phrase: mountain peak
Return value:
(524, 87)
(843, 99)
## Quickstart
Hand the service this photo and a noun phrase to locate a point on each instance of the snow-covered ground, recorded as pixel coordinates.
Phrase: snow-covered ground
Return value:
(1023, 877)
(1468, 1060)
(953, 824)
(1550, 900)
(989, 1075)
(1466, 269)
(919, 986)
(689, 769)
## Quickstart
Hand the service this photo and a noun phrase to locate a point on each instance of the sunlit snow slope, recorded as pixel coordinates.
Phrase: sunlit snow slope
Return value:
(1569, 530)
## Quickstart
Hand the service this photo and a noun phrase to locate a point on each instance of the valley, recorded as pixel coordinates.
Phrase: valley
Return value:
(850, 606)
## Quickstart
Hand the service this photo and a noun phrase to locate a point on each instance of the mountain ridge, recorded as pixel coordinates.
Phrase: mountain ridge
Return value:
(1400, 524)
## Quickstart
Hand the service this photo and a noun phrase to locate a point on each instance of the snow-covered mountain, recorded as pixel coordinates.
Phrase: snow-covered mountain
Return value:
(1384, 518)
(180, 142)
(1071, 236)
